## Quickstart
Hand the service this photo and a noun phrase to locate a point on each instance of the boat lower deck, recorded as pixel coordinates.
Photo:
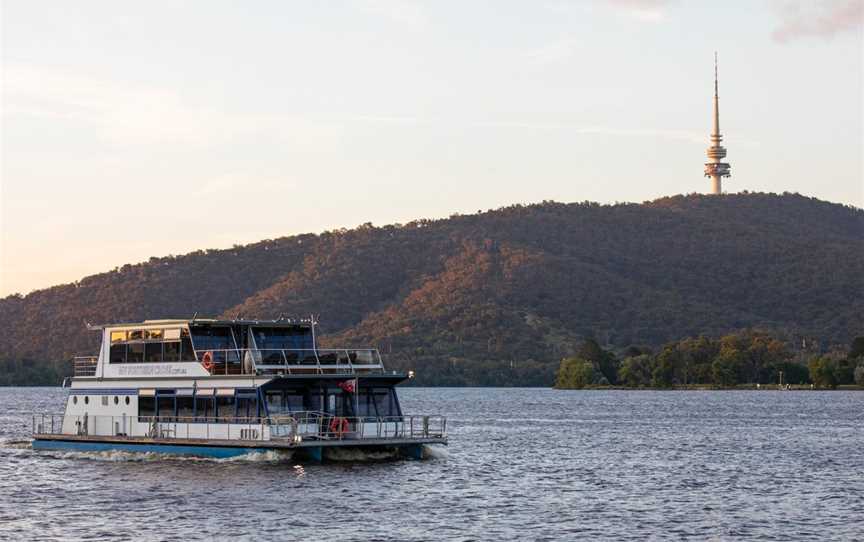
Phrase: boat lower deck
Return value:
(307, 449)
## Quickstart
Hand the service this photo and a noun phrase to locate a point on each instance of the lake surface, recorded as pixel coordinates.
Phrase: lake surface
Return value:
(533, 464)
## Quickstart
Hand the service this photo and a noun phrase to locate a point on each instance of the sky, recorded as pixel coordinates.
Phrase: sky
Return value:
(139, 129)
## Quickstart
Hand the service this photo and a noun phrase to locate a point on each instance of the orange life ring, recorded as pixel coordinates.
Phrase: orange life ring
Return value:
(339, 426)
(207, 360)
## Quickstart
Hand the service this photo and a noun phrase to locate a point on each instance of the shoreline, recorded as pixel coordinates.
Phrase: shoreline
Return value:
(742, 387)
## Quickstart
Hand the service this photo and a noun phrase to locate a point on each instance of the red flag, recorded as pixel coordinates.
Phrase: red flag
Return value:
(348, 385)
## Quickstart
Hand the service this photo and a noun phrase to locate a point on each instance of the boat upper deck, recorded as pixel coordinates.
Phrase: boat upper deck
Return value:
(210, 347)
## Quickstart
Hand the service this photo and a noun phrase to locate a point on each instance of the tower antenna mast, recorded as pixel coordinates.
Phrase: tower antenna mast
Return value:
(716, 168)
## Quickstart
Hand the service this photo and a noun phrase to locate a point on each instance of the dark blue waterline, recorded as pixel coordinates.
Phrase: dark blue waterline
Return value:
(202, 451)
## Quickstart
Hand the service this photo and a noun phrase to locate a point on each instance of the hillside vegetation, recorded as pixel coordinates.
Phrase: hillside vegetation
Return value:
(498, 297)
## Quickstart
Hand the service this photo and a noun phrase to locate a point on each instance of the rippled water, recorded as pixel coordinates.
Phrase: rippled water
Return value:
(523, 463)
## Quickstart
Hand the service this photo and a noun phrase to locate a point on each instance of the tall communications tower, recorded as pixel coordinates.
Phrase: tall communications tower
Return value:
(716, 168)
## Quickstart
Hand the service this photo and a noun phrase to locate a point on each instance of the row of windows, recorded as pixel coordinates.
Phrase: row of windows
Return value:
(205, 406)
(368, 402)
(202, 409)
(148, 335)
(176, 344)
(104, 400)
(152, 352)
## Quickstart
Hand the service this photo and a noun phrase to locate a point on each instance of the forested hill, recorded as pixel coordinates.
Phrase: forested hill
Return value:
(504, 293)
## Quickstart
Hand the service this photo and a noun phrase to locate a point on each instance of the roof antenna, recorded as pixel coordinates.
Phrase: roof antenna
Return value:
(194, 316)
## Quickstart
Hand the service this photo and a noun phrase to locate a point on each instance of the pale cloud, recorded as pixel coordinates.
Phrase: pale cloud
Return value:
(237, 184)
(124, 114)
(817, 19)
(121, 113)
(681, 135)
(689, 136)
(652, 11)
(556, 51)
(644, 10)
(399, 11)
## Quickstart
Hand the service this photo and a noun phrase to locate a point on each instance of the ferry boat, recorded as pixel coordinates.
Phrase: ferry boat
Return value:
(224, 388)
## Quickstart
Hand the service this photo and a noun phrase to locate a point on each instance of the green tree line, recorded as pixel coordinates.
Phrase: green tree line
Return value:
(748, 357)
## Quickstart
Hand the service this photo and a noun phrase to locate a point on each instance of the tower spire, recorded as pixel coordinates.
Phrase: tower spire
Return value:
(715, 74)
(716, 168)
(716, 132)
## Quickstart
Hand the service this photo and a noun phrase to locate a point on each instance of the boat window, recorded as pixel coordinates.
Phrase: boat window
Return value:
(247, 407)
(344, 404)
(127, 399)
(224, 407)
(118, 353)
(153, 352)
(212, 338)
(118, 336)
(146, 406)
(135, 353)
(314, 400)
(187, 353)
(385, 402)
(283, 338)
(365, 405)
(171, 351)
(136, 335)
(172, 334)
(205, 407)
(294, 400)
(165, 404)
(284, 401)
(74, 400)
(275, 403)
(185, 407)
(153, 334)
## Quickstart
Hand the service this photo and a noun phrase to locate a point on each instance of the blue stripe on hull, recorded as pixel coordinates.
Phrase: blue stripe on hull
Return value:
(202, 451)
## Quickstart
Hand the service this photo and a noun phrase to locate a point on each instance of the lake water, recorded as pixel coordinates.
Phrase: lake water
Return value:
(532, 464)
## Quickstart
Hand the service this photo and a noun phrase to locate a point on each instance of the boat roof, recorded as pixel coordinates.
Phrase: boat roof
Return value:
(210, 321)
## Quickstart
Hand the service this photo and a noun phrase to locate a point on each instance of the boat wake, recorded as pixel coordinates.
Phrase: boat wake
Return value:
(435, 452)
(118, 456)
(354, 454)
(19, 444)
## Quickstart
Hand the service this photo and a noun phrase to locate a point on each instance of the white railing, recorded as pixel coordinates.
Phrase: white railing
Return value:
(230, 361)
(291, 361)
(324, 426)
(287, 428)
(84, 365)
(164, 427)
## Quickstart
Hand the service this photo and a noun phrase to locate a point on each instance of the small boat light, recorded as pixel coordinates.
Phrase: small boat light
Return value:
(410, 374)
